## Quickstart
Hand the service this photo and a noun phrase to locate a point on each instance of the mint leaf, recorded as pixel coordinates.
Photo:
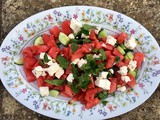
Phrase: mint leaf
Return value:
(56, 82)
(95, 50)
(74, 47)
(86, 40)
(104, 102)
(102, 52)
(86, 29)
(74, 71)
(62, 61)
(41, 62)
(117, 59)
(74, 88)
(102, 95)
(83, 81)
(46, 58)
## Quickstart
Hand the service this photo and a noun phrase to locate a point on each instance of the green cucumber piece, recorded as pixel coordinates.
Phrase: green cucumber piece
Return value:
(121, 50)
(102, 34)
(130, 55)
(38, 41)
(123, 47)
(63, 38)
(126, 57)
(54, 93)
(134, 73)
(19, 61)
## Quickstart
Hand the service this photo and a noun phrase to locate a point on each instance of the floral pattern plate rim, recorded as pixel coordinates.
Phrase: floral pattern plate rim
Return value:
(14, 80)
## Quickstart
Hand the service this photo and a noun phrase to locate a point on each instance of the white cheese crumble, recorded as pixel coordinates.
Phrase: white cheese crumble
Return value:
(59, 73)
(131, 43)
(71, 36)
(123, 70)
(125, 78)
(111, 71)
(76, 61)
(44, 91)
(70, 78)
(75, 26)
(81, 62)
(111, 40)
(84, 36)
(97, 56)
(123, 88)
(103, 74)
(53, 69)
(132, 65)
(103, 83)
(38, 71)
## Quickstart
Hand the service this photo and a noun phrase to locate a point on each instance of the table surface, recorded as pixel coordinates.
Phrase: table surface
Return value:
(146, 12)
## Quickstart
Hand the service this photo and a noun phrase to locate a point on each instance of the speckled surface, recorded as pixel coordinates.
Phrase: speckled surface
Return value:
(147, 12)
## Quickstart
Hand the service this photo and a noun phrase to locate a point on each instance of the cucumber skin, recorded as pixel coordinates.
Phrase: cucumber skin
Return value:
(121, 50)
(63, 38)
(102, 34)
(38, 42)
(130, 55)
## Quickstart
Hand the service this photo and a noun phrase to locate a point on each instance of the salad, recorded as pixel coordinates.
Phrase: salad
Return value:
(81, 62)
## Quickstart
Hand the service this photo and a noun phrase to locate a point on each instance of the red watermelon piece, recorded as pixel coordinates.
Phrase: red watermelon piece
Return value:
(66, 27)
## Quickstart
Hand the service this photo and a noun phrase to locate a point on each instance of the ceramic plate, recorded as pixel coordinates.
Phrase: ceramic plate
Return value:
(23, 34)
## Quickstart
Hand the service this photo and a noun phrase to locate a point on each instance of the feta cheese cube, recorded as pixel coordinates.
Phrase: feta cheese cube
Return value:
(111, 40)
(123, 70)
(103, 83)
(44, 91)
(70, 78)
(53, 69)
(81, 62)
(131, 43)
(41, 56)
(71, 36)
(38, 71)
(75, 26)
(84, 36)
(111, 71)
(123, 88)
(132, 65)
(103, 74)
(59, 73)
(125, 78)
(97, 56)
(76, 61)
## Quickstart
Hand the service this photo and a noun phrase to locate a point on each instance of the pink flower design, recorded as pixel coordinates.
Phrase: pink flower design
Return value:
(50, 18)
(83, 108)
(75, 16)
(132, 31)
(45, 105)
(111, 107)
(20, 38)
(24, 90)
(141, 85)
(5, 58)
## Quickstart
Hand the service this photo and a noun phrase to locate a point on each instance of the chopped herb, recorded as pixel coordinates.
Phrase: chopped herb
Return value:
(83, 81)
(117, 59)
(74, 71)
(78, 35)
(77, 41)
(102, 52)
(102, 95)
(95, 50)
(56, 82)
(46, 58)
(104, 102)
(74, 47)
(86, 29)
(41, 62)
(86, 41)
(113, 94)
(62, 61)
(74, 88)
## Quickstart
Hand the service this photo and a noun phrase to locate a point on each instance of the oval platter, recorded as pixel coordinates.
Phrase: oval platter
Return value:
(13, 78)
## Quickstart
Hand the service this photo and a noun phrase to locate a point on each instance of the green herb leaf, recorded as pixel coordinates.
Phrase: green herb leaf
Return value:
(102, 52)
(86, 28)
(83, 81)
(95, 50)
(117, 59)
(41, 62)
(46, 58)
(56, 82)
(74, 47)
(74, 71)
(74, 88)
(104, 102)
(86, 41)
(102, 95)
(62, 61)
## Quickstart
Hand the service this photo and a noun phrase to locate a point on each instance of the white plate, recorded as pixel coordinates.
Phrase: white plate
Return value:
(27, 94)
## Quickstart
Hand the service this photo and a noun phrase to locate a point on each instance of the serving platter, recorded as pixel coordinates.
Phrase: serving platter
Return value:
(13, 78)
